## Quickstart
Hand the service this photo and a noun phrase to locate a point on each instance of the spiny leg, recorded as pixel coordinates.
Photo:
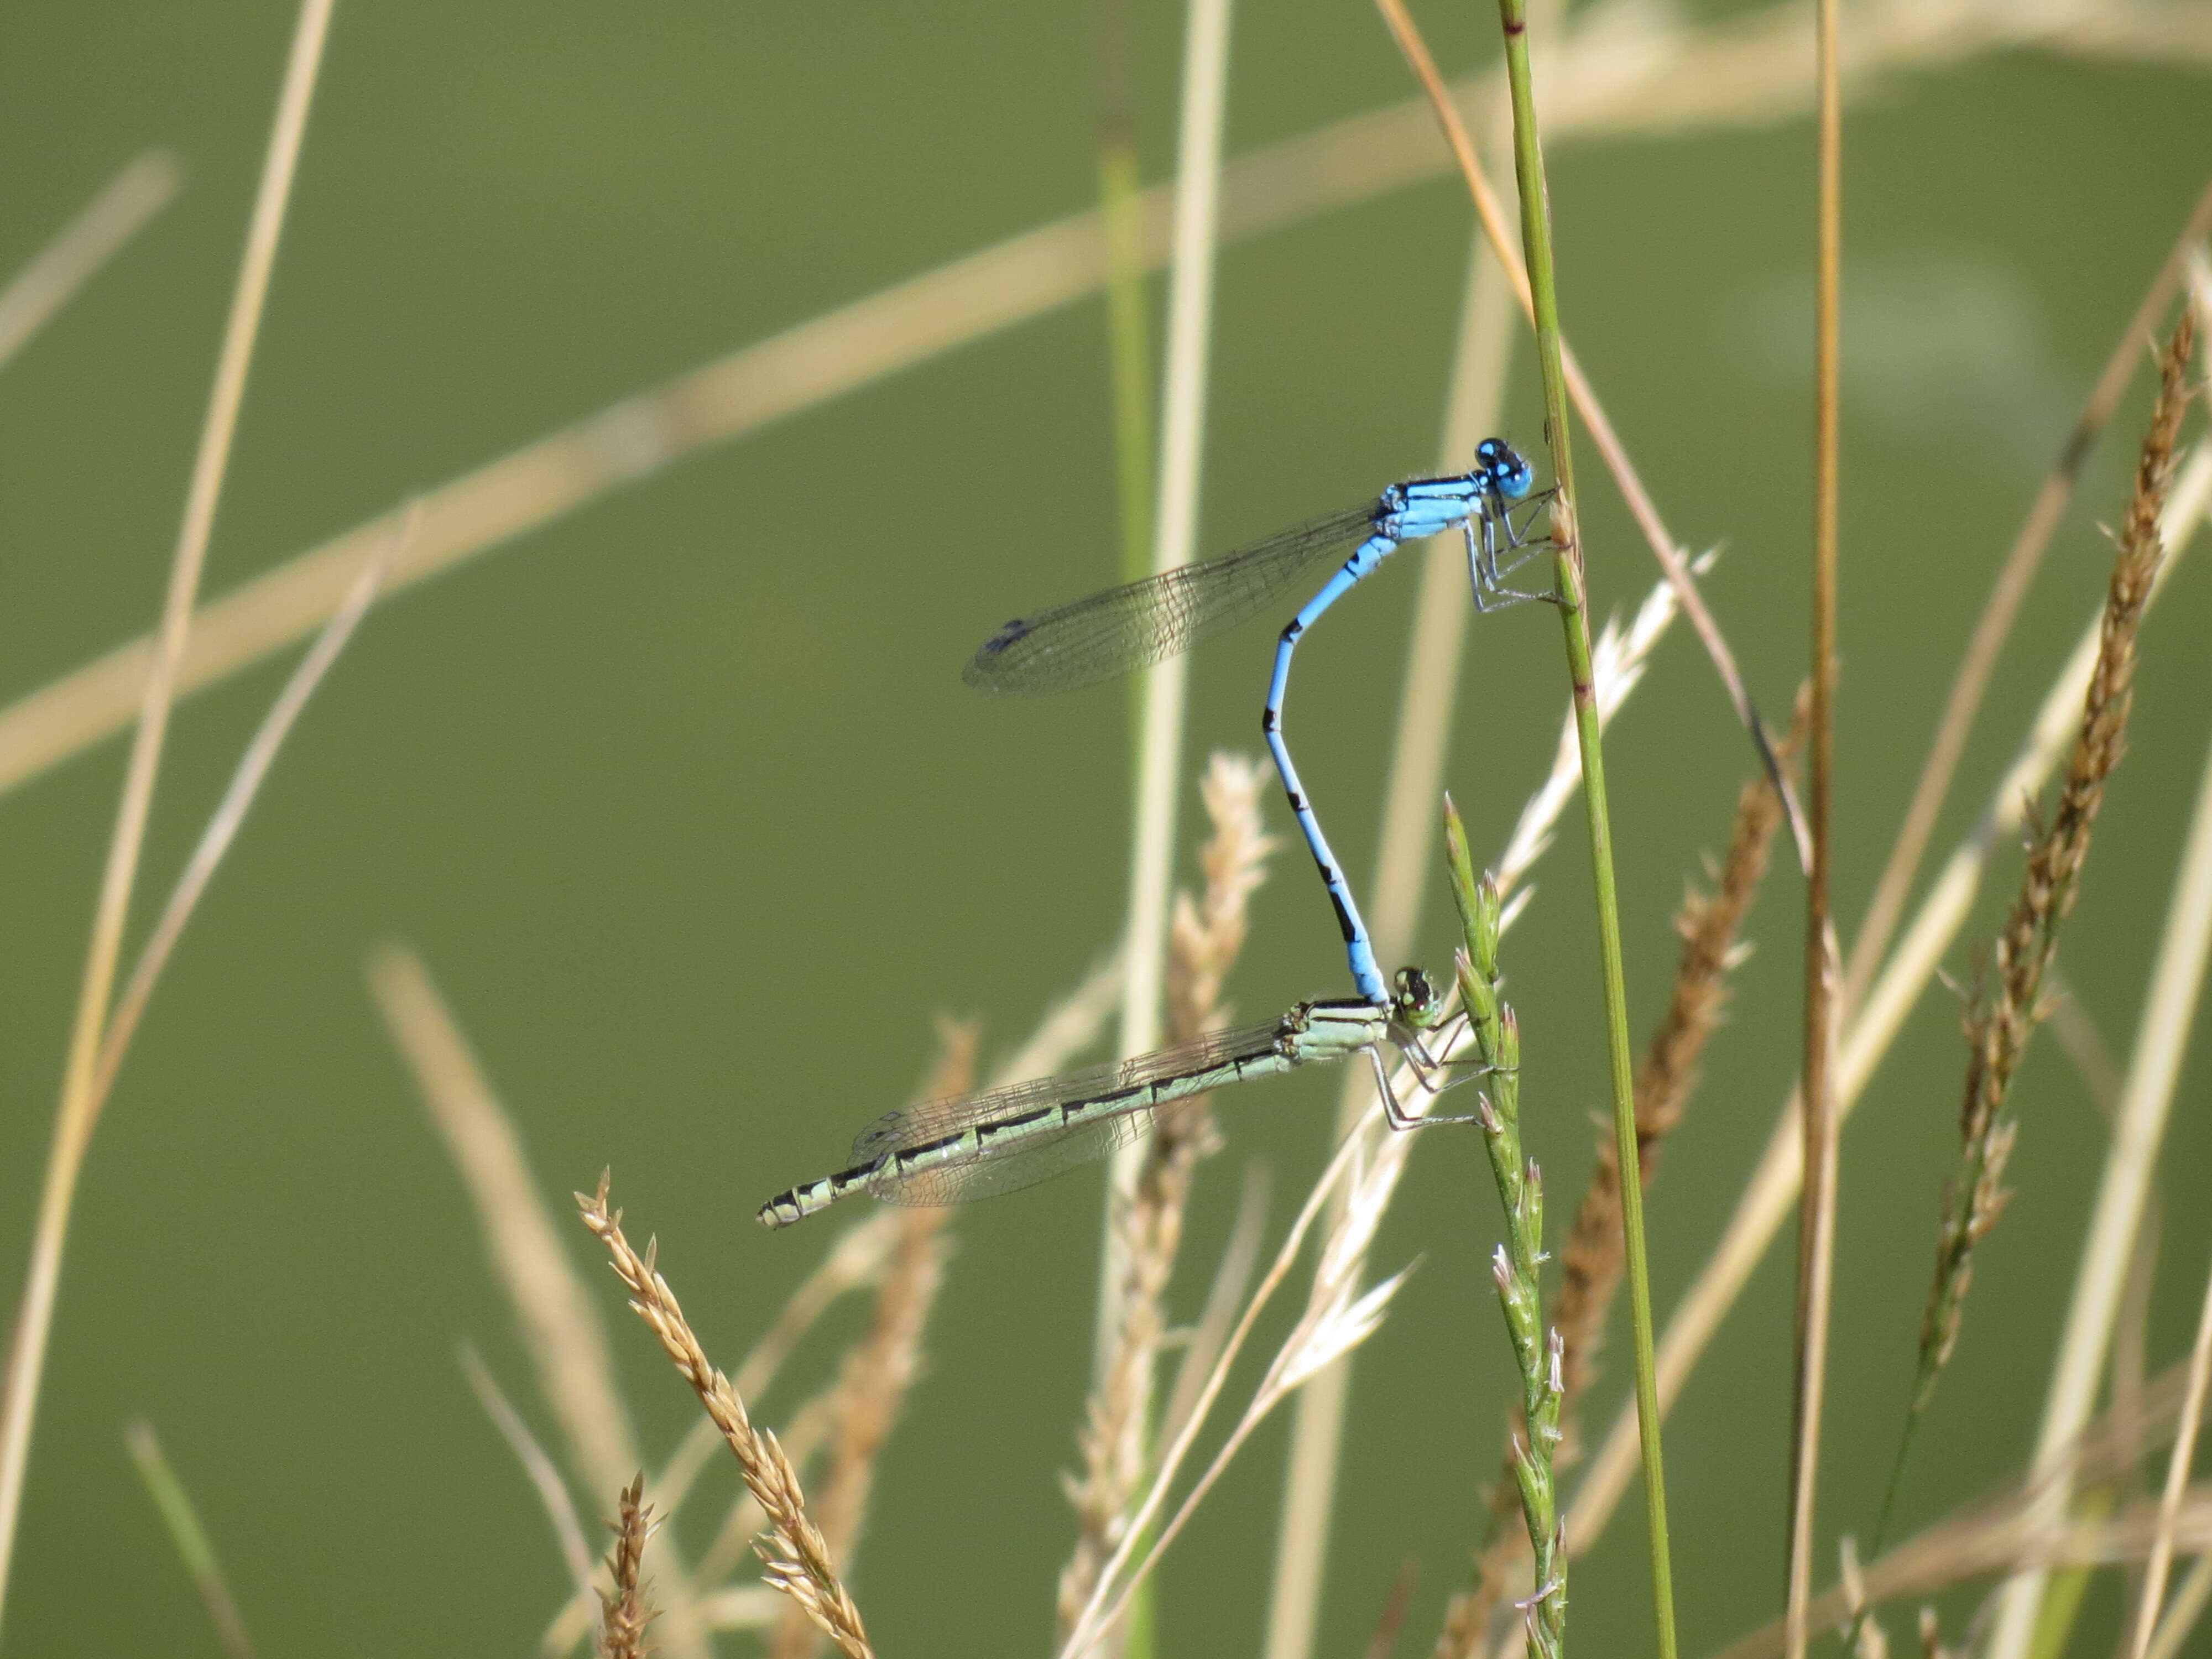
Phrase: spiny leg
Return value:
(1396, 1115)
(1490, 530)
(1359, 954)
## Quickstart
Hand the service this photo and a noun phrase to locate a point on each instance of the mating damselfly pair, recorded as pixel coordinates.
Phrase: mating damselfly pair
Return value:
(999, 1141)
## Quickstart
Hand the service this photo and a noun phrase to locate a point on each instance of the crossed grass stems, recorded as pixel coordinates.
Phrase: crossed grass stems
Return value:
(1986, 1537)
(901, 1257)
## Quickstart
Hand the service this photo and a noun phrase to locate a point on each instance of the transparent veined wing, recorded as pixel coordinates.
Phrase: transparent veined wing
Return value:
(1128, 627)
(1032, 1143)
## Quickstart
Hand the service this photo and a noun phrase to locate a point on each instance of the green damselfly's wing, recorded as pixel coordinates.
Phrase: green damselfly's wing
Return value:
(1030, 1132)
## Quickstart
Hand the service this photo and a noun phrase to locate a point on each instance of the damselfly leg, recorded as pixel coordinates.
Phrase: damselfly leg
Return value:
(1493, 532)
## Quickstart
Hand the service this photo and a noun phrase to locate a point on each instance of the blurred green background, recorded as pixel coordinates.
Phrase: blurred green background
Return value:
(683, 804)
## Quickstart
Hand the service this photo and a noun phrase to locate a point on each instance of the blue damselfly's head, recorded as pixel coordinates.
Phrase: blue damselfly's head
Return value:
(1499, 463)
(1415, 1001)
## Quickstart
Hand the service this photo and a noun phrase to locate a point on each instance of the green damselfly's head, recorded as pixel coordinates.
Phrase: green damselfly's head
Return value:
(1415, 1001)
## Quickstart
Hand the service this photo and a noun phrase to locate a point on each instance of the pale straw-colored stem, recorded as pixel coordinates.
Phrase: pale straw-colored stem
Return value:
(559, 1321)
(86, 243)
(1870, 1030)
(2183, 1611)
(78, 1110)
(1427, 700)
(1971, 684)
(1086, 1627)
(554, 1307)
(1823, 972)
(2177, 1474)
(537, 1467)
(2146, 1102)
(1996, 1532)
(1175, 535)
(227, 820)
(1743, 72)
(1223, 1296)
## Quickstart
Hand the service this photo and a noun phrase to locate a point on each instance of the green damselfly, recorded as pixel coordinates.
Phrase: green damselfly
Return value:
(999, 1141)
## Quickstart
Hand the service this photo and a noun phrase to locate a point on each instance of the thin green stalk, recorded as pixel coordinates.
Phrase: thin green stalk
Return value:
(1517, 1262)
(181, 1521)
(1569, 593)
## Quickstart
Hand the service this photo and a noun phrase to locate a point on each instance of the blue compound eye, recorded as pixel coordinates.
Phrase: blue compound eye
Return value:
(1509, 474)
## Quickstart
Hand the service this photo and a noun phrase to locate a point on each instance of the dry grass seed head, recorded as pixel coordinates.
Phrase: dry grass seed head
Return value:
(2007, 1002)
(624, 1611)
(794, 1559)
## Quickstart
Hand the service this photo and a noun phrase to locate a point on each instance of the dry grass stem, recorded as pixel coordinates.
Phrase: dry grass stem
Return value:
(1623, 71)
(1872, 1028)
(2153, 1594)
(1204, 936)
(1503, 243)
(1196, 236)
(1823, 968)
(86, 243)
(228, 818)
(544, 1479)
(794, 1559)
(879, 1371)
(2008, 1005)
(1591, 1260)
(624, 1612)
(2084, 1044)
(560, 1324)
(1384, 1641)
(152, 690)
(1202, 1346)
(1617, 660)
(2181, 1614)
(1711, 926)
(1097, 1616)
(1981, 1546)
(1971, 683)
(1986, 1535)
(181, 1521)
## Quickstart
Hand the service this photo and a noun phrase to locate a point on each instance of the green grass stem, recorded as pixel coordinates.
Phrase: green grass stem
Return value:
(1570, 596)
(182, 1523)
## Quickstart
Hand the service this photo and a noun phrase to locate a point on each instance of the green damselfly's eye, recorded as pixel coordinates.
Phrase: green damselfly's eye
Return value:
(1416, 1001)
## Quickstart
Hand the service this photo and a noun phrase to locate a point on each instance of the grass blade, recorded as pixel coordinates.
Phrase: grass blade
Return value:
(181, 1521)
(86, 243)
(79, 1108)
